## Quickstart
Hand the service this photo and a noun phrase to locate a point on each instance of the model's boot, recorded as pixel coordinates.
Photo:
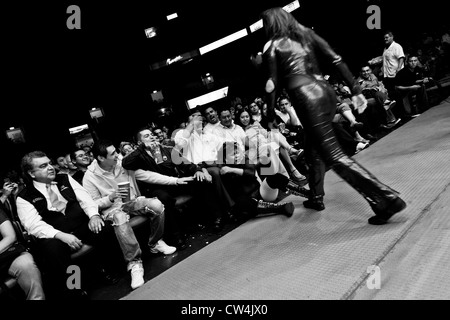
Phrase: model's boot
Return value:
(269, 208)
(383, 200)
(297, 190)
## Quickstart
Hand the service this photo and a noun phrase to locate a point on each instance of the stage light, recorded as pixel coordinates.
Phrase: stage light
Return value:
(150, 32)
(219, 43)
(172, 16)
(207, 98)
(292, 6)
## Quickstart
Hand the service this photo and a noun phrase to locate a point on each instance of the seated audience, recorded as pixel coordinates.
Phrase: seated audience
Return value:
(411, 84)
(126, 148)
(252, 198)
(198, 147)
(18, 263)
(373, 88)
(161, 172)
(101, 181)
(212, 119)
(81, 160)
(258, 139)
(61, 215)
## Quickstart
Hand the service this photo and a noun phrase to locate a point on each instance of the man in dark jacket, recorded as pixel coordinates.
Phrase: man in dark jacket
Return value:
(171, 176)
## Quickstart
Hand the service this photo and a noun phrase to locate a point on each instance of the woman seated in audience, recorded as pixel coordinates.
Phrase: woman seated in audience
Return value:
(261, 142)
(253, 199)
(126, 148)
(22, 267)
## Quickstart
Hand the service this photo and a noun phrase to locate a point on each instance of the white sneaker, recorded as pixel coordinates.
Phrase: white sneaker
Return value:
(388, 105)
(162, 247)
(361, 146)
(137, 274)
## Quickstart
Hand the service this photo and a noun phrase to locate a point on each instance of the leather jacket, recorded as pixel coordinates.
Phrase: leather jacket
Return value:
(291, 64)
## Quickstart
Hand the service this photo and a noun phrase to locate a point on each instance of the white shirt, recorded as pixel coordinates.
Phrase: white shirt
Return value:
(233, 134)
(391, 58)
(199, 146)
(32, 220)
(209, 128)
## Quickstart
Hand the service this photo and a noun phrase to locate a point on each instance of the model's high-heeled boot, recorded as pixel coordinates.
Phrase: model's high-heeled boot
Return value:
(383, 200)
(297, 190)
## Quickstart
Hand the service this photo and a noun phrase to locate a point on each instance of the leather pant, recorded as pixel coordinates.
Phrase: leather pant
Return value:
(315, 104)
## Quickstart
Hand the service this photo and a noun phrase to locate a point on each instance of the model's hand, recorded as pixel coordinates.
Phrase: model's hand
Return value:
(360, 103)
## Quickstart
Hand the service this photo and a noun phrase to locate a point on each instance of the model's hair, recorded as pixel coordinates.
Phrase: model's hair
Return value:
(278, 23)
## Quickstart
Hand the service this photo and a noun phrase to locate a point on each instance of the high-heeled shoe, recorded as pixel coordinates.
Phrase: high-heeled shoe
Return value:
(294, 152)
(296, 175)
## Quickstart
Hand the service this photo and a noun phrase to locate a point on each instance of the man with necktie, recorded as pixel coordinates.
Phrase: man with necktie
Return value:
(62, 216)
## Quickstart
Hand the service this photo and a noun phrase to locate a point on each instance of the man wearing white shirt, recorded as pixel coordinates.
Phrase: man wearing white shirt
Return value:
(201, 148)
(194, 144)
(227, 131)
(210, 114)
(62, 216)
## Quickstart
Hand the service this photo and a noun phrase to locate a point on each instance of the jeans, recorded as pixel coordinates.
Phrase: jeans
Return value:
(120, 215)
(28, 276)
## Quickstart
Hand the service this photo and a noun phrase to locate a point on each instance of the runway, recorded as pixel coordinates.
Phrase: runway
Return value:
(335, 254)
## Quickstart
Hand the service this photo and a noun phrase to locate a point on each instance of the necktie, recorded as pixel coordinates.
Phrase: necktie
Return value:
(56, 203)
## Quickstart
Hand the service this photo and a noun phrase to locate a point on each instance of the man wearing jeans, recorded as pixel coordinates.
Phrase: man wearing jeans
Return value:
(101, 181)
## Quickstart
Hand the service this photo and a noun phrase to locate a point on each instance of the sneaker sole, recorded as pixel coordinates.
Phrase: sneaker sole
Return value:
(164, 253)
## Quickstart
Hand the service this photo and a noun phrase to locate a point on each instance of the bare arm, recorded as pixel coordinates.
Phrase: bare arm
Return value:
(8, 235)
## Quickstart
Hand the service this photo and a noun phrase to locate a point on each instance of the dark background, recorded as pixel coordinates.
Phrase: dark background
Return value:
(55, 75)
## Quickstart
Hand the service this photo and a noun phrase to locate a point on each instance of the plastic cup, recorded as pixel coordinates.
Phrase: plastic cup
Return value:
(125, 186)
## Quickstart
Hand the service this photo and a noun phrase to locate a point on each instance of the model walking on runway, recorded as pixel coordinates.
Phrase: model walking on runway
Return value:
(291, 57)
